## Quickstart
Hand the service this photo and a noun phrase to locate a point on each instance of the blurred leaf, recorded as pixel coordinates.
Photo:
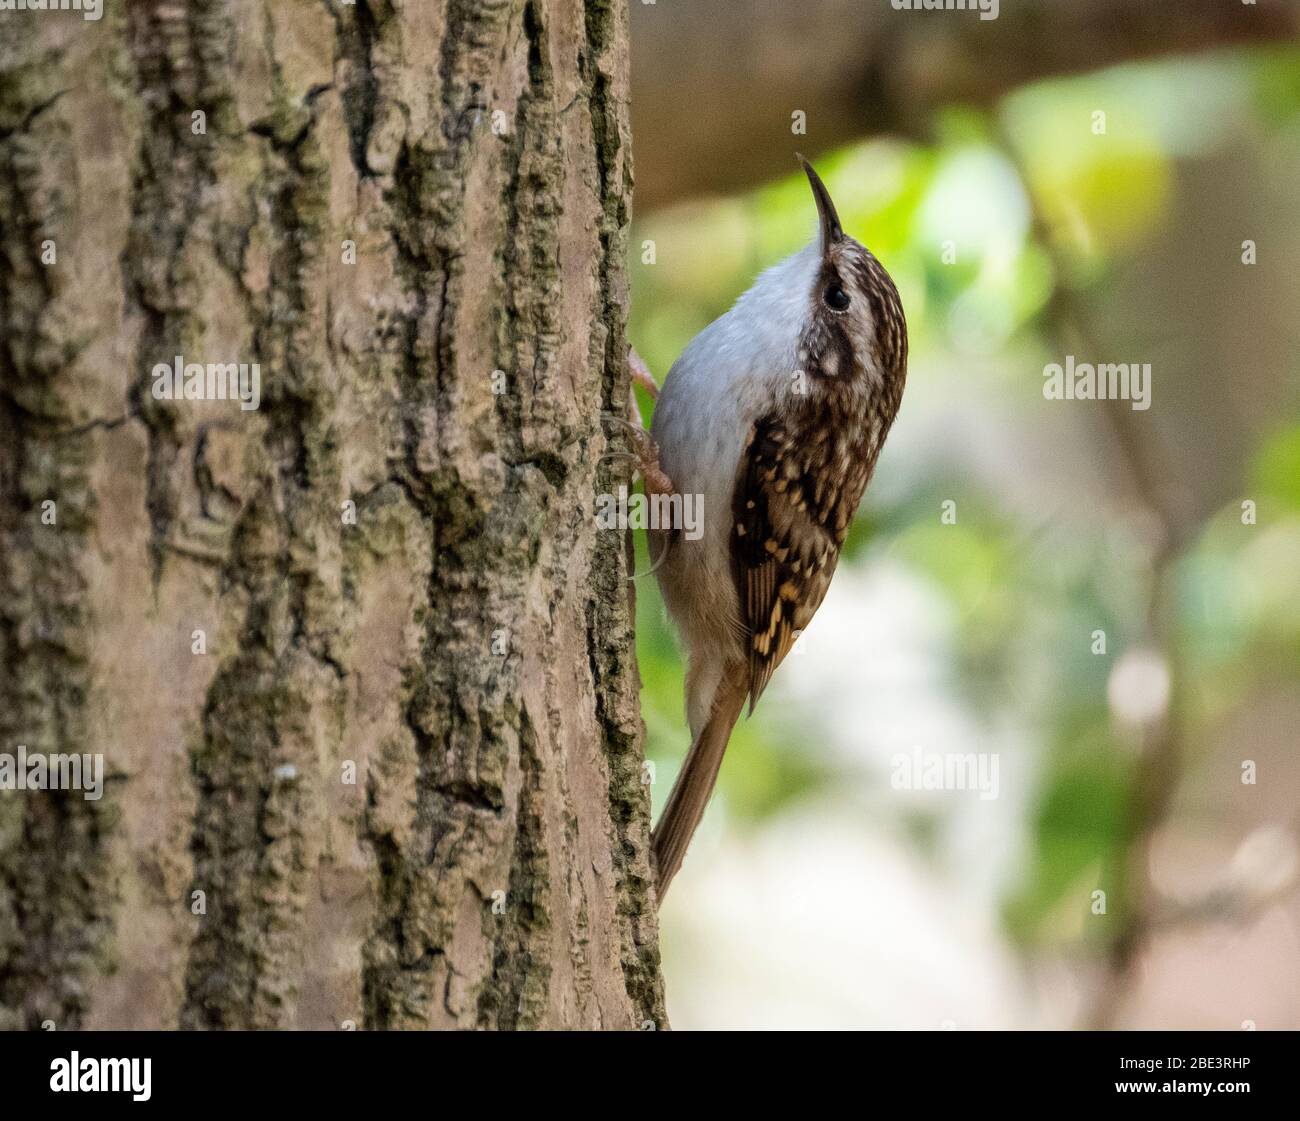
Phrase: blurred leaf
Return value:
(1079, 836)
(1275, 472)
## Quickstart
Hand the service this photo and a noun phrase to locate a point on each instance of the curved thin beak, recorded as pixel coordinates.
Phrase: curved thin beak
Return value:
(831, 231)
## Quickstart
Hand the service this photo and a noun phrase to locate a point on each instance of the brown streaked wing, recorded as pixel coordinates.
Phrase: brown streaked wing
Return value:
(782, 556)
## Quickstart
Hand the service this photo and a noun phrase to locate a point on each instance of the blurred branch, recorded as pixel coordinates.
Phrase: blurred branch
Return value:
(1245, 896)
(1161, 739)
(1161, 742)
(1242, 895)
(714, 85)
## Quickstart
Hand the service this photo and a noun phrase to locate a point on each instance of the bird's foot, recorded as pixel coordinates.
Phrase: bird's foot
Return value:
(647, 453)
(644, 456)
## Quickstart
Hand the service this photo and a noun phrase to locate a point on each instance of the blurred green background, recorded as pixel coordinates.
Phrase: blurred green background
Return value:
(1104, 616)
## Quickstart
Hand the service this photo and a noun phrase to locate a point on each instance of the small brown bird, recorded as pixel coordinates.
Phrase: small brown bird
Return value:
(775, 415)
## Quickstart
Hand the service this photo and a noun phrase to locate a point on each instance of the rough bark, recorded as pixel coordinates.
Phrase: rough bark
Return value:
(859, 69)
(466, 643)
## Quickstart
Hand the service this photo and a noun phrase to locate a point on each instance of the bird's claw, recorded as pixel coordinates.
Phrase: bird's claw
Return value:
(647, 455)
(643, 454)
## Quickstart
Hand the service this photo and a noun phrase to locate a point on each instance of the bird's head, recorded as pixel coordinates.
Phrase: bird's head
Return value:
(855, 325)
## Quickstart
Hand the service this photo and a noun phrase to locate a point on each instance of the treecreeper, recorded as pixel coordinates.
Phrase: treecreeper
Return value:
(773, 419)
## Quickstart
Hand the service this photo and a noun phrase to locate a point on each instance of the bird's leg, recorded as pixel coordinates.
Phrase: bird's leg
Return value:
(645, 450)
(641, 374)
(647, 453)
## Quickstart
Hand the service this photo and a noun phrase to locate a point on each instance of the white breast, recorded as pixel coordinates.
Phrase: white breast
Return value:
(732, 373)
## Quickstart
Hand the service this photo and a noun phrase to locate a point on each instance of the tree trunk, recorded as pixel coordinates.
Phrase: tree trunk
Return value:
(357, 660)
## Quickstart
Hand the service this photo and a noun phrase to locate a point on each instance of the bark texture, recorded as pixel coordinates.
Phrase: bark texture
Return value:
(463, 641)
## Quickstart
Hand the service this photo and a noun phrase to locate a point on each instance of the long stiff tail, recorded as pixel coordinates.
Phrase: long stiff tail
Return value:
(694, 785)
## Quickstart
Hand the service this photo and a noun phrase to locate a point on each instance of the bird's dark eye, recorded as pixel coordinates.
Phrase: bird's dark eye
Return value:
(836, 298)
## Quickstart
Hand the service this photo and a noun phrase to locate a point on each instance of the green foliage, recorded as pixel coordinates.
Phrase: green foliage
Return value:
(1031, 199)
(1275, 474)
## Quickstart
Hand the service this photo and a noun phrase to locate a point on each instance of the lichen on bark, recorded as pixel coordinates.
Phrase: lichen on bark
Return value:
(392, 560)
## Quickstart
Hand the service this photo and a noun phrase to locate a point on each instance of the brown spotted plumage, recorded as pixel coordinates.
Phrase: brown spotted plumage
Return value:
(803, 471)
